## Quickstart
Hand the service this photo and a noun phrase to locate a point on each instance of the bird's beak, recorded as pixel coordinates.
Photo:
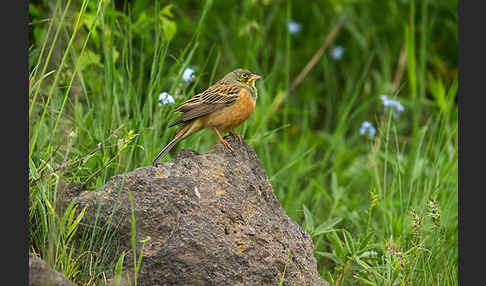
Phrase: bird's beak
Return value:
(255, 77)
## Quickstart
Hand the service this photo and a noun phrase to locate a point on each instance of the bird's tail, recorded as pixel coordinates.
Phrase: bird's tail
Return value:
(187, 130)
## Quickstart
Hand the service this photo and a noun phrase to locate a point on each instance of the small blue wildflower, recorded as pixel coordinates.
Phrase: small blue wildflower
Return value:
(294, 27)
(367, 127)
(395, 104)
(337, 53)
(165, 98)
(188, 75)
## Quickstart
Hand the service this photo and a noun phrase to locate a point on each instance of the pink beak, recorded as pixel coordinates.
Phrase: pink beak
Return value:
(255, 77)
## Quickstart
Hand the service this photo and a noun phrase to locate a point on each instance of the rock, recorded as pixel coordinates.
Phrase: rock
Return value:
(41, 275)
(212, 219)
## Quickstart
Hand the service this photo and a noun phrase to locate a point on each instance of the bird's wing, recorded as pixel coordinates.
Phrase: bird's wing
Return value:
(212, 99)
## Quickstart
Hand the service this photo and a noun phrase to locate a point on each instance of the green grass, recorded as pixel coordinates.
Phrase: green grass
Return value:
(381, 210)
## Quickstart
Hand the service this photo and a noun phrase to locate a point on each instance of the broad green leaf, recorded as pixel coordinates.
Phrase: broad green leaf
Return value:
(166, 11)
(169, 27)
(336, 244)
(89, 58)
(327, 226)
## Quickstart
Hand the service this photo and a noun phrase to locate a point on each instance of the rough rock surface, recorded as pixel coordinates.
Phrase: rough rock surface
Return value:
(212, 219)
(41, 275)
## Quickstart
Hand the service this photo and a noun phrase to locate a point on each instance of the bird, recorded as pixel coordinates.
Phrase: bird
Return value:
(221, 107)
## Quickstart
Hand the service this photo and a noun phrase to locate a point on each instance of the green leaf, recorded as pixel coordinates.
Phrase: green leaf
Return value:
(364, 243)
(34, 11)
(438, 90)
(336, 244)
(67, 217)
(331, 256)
(309, 222)
(326, 226)
(90, 21)
(53, 212)
(285, 269)
(451, 93)
(166, 11)
(143, 24)
(169, 27)
(368, 254)
(118, 269)
(348, 240)
(88, 117)
(74, 226)
(89, 58)
(39, 34)
(119, 264)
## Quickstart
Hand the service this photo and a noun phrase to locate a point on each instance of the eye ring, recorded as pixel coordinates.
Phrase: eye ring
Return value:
(244, 75)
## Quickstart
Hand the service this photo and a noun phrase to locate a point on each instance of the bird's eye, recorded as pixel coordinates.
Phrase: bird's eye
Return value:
(245, 75)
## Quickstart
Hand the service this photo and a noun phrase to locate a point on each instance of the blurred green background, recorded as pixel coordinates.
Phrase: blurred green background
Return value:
(381, 206)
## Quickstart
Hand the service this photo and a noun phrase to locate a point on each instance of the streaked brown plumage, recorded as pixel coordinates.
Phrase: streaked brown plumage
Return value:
(222, 107)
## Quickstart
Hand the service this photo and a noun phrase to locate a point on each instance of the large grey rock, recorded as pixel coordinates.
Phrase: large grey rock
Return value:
(213, 219)
(41, 275)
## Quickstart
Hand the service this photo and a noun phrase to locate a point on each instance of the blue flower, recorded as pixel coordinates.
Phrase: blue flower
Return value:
(367, 128)
(395, 104)
(337, 53)
(165, 98)
(188, 75)
(294, 27)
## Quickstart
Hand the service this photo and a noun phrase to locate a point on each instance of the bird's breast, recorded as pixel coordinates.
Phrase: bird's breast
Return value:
(234, 115)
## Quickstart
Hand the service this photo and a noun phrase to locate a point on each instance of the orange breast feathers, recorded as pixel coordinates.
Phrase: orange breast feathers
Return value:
(232, 116)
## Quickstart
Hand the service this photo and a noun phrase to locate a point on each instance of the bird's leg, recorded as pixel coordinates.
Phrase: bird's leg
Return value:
(237, 135)
(225, 143)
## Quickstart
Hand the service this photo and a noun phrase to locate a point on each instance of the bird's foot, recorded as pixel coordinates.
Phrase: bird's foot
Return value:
(227, 145)
(236, 135)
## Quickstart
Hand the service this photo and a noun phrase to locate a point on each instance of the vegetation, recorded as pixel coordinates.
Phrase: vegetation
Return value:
(381, 207)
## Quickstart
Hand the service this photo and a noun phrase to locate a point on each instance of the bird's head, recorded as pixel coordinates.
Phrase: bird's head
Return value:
(243, 76)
